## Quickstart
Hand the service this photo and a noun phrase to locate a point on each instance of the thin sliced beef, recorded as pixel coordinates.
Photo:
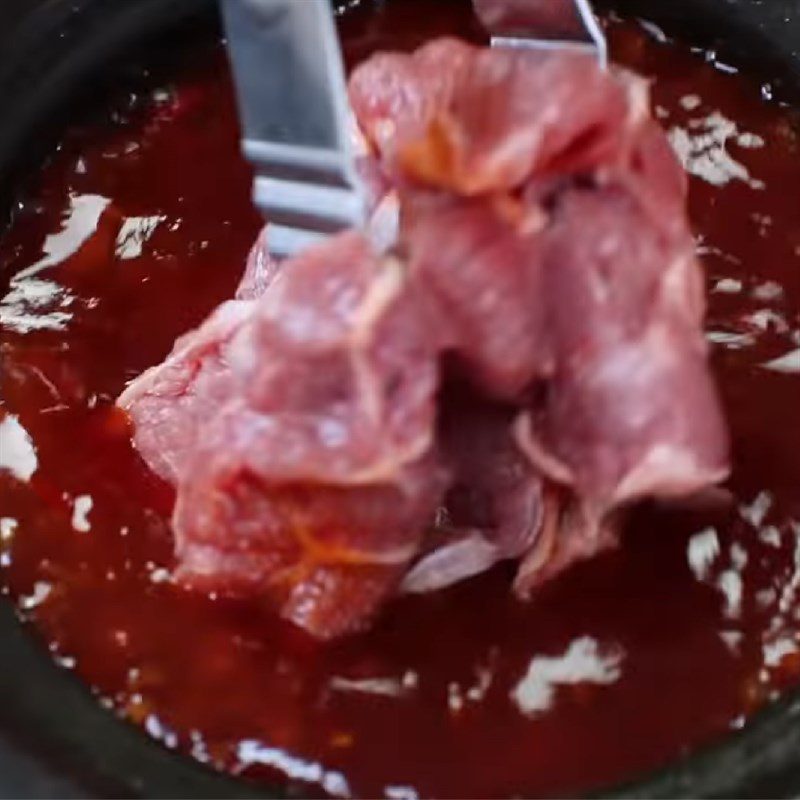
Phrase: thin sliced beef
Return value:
(326, 555)
(520, 17)
(313, 481)
(472, 120)
(480, 264)
(632, 410)
(170, 404)
(511, 352)
(342, 349)
(571, 229)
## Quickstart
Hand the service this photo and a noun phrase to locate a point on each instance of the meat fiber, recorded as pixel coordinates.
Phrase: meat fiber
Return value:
(512, 352)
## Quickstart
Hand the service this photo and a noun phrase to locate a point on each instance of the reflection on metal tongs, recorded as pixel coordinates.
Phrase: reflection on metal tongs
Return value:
(294, 113)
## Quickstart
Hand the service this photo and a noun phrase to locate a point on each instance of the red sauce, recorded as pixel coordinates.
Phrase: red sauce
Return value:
(685, 651)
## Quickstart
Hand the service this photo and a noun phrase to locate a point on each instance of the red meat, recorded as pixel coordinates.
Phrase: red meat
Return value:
(512, 354)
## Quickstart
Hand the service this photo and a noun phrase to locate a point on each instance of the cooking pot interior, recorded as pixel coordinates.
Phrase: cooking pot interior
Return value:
(56, 62)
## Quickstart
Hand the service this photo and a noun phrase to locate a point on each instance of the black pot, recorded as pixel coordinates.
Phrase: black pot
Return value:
(55, 739)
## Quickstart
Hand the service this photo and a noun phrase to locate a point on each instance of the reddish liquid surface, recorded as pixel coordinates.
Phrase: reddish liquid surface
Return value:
(686, 648)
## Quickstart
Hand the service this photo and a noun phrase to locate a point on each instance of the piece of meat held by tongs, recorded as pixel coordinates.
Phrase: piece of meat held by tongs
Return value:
(543, 23)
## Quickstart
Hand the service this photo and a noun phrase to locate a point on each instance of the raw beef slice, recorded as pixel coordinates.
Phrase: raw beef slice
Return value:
(312, 477)
(512, 352)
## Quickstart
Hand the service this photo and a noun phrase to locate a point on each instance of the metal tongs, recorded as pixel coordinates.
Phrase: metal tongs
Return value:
(295, 117)
(543, 24)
